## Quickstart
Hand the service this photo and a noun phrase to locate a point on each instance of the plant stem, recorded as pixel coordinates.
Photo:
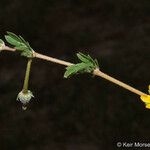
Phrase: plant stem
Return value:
(96, 72)
(54, 60)
(27, 75)
(9, 49)
(111, 79)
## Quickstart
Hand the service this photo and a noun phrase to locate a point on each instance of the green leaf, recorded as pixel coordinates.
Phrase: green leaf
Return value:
(20, 44)
(27, 54)
(22, 39)
(75, 69)
(91, 59)
(14, 36)
(87, 58)
(83, 57)
(96, 63)
(87, 65)
(12, 41)
(20, 47)
(25, 42)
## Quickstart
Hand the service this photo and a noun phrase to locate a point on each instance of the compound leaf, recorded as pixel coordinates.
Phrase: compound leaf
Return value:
(19, 43)
(87, 65)
(73, 69)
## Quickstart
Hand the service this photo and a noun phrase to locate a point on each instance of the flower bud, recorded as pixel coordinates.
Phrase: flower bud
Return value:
(24, 98)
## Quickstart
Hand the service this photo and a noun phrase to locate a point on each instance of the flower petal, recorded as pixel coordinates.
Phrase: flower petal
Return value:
(147, 105)
(146, 98)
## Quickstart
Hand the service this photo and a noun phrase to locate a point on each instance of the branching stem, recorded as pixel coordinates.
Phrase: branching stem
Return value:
(96, 72)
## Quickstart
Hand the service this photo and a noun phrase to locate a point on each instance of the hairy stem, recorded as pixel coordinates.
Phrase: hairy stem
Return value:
(54, 60)
(96, 72)
(27, 75)
(6, 48)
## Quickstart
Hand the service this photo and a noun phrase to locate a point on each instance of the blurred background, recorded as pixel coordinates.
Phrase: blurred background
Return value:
(83, 112)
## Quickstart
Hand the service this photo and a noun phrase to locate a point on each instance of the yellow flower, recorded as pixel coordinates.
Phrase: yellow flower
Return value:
(146, 100)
